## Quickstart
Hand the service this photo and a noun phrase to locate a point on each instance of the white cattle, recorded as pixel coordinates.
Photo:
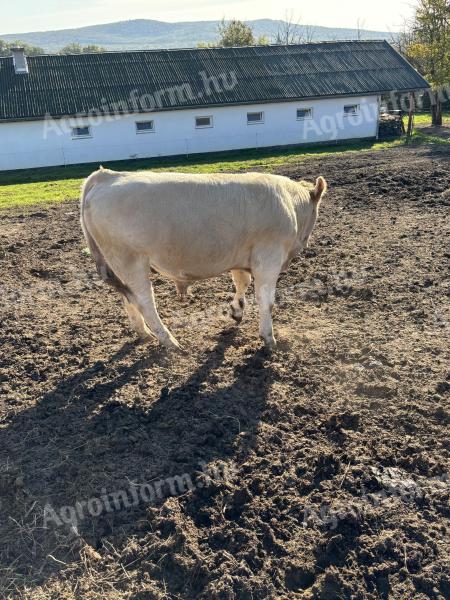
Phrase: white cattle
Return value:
(190, 227)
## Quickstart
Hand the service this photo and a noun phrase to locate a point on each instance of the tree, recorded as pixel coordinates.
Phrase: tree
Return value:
(75, 48)
(72, 48)
(5, 48)
(237, 33)
(234, 33)
(403, 40)
(360, 24)
(427, 44)
(308, 34)
(291, 32)
(93, 49)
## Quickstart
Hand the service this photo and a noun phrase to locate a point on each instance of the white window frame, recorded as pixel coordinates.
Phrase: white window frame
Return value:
(256, 112)
(309, 117)
(144, 131)
(351, 114)
(81, 137)
(211, 122)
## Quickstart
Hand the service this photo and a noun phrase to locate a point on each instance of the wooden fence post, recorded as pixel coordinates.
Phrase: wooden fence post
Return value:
(410, 118)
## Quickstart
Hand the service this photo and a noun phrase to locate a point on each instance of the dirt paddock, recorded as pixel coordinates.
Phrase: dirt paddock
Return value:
(317, 471)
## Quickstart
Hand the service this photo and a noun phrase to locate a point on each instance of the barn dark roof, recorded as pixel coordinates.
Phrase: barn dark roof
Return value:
(66, 85)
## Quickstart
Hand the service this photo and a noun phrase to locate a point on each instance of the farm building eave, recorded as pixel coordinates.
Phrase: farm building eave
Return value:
(114, 83)
(188, 107)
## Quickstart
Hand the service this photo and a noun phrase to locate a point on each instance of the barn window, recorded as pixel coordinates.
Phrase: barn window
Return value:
(203, 122)
(145, 126)
(255, 117)
(81, 132)
(351, 109)
(304, 113)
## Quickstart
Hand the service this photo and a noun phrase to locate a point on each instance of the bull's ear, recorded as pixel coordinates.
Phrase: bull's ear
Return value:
(319, 189)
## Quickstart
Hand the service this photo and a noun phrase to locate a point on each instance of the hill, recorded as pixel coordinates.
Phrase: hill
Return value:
(144, 33)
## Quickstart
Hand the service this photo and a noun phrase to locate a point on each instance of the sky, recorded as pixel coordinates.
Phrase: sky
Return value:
(43, 15)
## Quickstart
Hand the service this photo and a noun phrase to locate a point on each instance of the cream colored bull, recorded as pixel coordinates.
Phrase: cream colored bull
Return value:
(191, 227)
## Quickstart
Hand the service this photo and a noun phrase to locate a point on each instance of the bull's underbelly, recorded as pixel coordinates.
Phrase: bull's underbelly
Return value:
(189, 273)
(194, 257)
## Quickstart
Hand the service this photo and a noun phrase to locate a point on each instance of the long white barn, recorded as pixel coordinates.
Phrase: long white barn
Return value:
(59, 110)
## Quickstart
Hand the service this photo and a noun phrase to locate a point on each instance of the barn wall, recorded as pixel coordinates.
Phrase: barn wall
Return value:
(48, 143)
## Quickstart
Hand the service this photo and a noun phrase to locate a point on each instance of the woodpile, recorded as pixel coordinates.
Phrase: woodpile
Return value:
(391, 126)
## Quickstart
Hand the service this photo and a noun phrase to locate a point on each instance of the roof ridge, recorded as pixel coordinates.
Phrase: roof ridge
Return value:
(208, 48)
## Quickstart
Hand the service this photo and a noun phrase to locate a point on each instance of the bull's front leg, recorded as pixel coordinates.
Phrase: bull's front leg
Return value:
(241, 280)
(265, 296)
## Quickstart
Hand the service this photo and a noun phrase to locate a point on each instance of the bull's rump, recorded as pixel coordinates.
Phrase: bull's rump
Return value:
(191, 226)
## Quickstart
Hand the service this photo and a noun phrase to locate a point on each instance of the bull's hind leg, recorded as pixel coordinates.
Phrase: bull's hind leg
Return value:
(136, 320)
(145, 300)
(134, 273)
(241, 280)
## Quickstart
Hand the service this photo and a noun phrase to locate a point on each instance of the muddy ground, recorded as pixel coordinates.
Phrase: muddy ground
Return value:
(327, 459)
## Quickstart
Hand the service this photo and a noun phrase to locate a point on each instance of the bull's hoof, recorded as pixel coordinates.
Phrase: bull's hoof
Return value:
(172, 344)
(236, 316)
(269, 343)
(143, 339)
(144, 336)
(179, 350)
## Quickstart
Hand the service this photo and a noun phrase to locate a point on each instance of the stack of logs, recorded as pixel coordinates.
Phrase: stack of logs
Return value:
(391, 126)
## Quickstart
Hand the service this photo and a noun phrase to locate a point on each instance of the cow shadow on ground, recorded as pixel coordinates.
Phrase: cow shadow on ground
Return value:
(96, 432)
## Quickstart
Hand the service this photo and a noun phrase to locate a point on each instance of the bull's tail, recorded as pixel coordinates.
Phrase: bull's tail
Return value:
(319, 190)
(103, 269)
